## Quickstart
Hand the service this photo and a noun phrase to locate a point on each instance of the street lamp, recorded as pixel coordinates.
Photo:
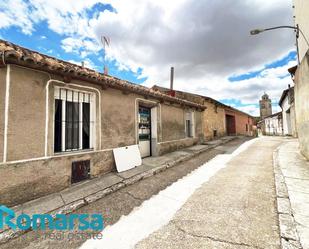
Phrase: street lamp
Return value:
(296, 29)
(257, 31)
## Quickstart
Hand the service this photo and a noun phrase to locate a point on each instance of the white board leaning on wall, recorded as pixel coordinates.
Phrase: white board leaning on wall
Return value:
(127, 157)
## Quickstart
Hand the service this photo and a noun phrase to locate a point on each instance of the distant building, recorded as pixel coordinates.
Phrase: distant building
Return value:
(288, 112)
(301, 75)
(218, 119)
(265, 106)
(272, 125)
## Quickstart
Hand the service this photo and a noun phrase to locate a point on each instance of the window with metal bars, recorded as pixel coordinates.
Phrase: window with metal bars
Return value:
(73, 122)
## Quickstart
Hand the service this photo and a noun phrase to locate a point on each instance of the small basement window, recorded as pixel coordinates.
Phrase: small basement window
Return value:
(73, 120)
(80, 171)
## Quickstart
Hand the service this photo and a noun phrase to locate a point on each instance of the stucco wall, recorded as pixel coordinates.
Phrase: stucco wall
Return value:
(288, 112)
(2, 107)
(301, 91)
(273, 126)
(286, 117)
(214, 119)
(199, 124)
(26, 123)
(118, 119)
(166, 147)
(22, 182)
(293, 120)
(301, 13)
(173, 125)
(241, 120)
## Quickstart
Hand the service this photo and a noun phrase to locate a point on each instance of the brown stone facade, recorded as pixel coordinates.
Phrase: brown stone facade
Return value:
(30, 167)
(214, 121)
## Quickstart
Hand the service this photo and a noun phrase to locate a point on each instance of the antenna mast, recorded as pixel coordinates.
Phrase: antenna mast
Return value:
(105, 42)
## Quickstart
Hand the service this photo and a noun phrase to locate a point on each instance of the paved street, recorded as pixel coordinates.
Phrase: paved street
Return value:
(235, 209)
(228, 201)
(122, 202)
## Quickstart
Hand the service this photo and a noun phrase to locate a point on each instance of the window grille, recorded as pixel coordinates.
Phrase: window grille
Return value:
(73, 120)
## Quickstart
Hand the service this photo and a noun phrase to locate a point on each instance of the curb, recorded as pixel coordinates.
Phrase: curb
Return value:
(9, 234)
(288, 233)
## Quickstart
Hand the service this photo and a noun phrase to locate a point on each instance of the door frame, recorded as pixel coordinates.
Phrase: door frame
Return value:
(233, 118)
(150, 137)
(155, 118)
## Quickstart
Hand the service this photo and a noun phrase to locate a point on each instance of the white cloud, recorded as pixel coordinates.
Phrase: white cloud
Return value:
(16, 13)
(206, 41)
(63, 17)
(251, 109)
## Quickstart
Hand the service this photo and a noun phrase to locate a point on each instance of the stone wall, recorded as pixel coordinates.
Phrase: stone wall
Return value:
(301, 91)
(214, 119)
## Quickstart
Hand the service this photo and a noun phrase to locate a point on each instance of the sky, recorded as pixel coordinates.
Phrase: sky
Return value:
(207, 42)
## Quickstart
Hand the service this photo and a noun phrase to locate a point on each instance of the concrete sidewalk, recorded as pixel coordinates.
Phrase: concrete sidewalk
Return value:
(89, 191)
(292, 182)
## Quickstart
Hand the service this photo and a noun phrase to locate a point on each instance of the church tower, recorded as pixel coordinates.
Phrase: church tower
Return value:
(265, 106)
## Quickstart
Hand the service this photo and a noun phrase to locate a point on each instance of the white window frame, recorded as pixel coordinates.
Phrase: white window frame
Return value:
(92, 121)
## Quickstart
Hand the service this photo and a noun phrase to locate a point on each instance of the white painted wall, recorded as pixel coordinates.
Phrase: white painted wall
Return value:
(286, 117)
(273, 126)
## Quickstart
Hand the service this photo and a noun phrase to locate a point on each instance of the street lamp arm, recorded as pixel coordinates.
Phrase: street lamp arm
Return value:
(297, 29)
(282, 27)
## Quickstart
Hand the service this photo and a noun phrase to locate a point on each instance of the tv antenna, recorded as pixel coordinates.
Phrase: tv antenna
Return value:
(106, 43)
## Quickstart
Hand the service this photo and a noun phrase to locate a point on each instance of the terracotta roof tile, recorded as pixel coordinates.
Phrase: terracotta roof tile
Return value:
(13, 54)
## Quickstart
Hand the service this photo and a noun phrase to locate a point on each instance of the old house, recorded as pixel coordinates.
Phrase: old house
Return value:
(286, 103)
(219, 119)
(271, 125)
(301, 75)
(60, 123)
